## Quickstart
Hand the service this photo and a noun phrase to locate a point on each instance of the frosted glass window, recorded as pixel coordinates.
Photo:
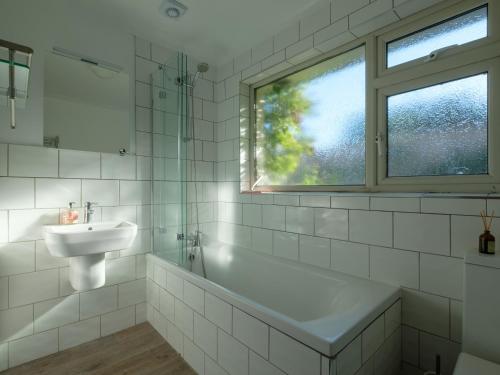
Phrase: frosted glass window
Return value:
(440, 130)
(310, 125)
(455, 31)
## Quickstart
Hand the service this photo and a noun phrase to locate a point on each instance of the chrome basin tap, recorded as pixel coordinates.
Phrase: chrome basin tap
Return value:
(89, 212)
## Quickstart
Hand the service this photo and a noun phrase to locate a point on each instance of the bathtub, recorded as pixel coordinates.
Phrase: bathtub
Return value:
(323, 310)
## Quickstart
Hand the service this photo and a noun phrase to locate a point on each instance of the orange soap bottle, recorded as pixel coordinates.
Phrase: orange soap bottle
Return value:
(69, 215)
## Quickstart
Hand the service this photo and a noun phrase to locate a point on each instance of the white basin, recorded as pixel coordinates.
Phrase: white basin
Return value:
(86, 245)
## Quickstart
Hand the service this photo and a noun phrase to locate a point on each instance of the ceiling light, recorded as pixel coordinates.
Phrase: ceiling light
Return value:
(173, 12)
(173, 8)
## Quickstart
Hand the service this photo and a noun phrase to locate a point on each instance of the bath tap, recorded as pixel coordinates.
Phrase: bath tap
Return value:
(195, 238)
(196, 247)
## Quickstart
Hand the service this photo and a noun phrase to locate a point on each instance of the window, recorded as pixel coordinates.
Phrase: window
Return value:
(439, 130)
(379, 116)
(310, 125)
(458, 30)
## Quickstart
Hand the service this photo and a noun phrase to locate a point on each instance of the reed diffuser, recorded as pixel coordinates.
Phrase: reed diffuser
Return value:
(487, 240)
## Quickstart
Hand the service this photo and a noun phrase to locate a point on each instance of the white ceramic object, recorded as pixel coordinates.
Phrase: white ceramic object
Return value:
(481, 306)
(470, 365)
(321, 308)
(86, 245)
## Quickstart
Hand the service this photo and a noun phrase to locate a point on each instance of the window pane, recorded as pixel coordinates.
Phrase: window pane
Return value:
(440, 130)
(459, 30)
(310, 125)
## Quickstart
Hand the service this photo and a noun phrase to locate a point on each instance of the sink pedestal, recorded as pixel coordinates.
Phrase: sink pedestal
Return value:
(87, 272)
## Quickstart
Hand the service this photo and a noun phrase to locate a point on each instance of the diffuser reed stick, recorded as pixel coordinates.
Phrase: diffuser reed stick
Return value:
(487, 240)
(487, 220)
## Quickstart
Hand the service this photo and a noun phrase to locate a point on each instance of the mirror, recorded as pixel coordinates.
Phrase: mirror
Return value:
(86, 105)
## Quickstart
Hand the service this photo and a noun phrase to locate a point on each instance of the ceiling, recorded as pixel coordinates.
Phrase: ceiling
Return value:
(213, 30)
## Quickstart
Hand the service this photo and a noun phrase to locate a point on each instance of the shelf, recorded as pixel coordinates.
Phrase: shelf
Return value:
(21, 81)
(485, 260)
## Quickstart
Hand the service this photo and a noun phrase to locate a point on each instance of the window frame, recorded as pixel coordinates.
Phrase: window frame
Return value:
(474, 57)
(436, 18)
(444, 183)
(252, 133)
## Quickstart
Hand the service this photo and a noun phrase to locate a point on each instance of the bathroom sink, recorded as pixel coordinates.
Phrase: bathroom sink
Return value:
(86, 239)
(86, 245)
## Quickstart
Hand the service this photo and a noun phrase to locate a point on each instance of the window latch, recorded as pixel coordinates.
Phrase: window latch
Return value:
(252, 188)
(379, 140)
(435, 54)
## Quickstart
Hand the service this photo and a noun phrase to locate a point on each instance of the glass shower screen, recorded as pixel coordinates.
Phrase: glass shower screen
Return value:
(169, 120)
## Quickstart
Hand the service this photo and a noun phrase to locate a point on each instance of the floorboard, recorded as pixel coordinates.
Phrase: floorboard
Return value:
(137, 350)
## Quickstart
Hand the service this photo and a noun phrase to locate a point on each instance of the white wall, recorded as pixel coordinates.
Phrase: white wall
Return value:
(413, 241)
(39, 311)
(43, 25)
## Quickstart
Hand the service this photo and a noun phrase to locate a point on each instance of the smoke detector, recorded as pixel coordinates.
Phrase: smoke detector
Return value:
(173, 8)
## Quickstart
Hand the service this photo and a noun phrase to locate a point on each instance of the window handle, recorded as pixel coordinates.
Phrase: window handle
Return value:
(379, 140)
(256, 183)
(435, 54)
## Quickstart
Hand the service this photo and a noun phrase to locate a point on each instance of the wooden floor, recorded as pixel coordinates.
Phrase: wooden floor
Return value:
(137, 350)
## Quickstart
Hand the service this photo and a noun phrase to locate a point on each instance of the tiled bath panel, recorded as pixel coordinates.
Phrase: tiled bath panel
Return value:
(216, 337)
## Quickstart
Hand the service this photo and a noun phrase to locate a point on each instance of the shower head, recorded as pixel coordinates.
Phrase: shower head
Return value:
(201, 68)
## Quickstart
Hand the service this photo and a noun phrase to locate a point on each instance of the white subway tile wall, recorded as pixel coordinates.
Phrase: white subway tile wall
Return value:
(415, 241)
(39, 311)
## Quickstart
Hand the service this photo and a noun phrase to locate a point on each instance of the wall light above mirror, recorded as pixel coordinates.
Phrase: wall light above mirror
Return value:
(86, 103)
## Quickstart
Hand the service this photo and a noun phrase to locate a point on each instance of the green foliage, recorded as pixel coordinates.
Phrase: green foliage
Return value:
(283, 144)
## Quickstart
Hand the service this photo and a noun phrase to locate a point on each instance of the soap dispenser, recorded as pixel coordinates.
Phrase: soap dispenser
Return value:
(69, 215)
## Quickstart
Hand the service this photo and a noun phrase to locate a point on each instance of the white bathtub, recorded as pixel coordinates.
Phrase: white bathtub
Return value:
(325, 310)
